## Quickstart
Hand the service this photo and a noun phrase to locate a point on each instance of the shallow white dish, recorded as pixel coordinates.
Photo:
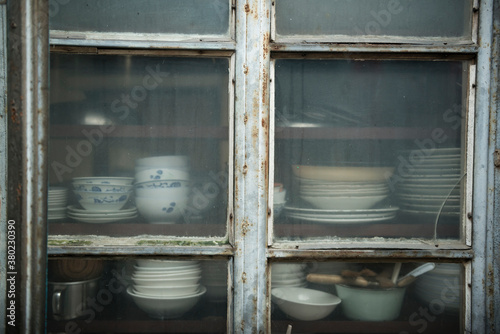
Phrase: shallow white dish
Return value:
(152, 270)
(166, 307)
(96, 220)
(74, 209)
(355, 174)
(105, 180)
(344, 203)
(154, 263)
(304, 304)
(167, 281)
(166, 291)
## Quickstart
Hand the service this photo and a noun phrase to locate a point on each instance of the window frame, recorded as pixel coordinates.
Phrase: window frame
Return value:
(251, 304)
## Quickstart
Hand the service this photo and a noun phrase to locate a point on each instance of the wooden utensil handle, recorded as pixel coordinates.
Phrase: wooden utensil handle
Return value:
(337, 279)
(327, 279)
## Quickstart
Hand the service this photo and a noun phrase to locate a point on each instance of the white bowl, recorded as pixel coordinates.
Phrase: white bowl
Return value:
(153, 263)
(304, 304)
(178, 274)
(162, 210)
(166, 270)
(147, 174)
(287, 268)
(166, 161)
(370, 304)
(102, 202)
(103, 188)
(177, 189)
(343, 174)
(104, 180)
(166, 291)
(166, 307)
(344, 203)
(167, 281)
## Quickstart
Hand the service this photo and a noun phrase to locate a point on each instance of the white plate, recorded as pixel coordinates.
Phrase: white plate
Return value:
(103, 215)
(92, 220)
(74, 209)
(430, 213)
(342, 220)
(364, 211)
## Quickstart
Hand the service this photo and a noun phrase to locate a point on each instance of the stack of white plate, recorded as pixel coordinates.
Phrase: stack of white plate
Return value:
(215, 280)
(331, 195)
(288, 275)
(431, 182)
(342, 216)
(441, 286)
(166, 289)
(101, 217)
(57, 200)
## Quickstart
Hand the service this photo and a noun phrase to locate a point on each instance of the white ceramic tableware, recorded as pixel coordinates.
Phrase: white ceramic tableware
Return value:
(147, 174)
(166, 307)
(163, 210)
(166, 291)
(104, 180)
(368, 304)
(304, 304)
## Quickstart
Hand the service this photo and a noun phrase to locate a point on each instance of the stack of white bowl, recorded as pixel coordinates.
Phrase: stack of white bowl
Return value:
(342, 195)
(285, 275)
(162, 188)
(215, 280)
(279, 199)
(430, 182)
(441, 286)
(57, 201)
(166, 289)
(102, 198)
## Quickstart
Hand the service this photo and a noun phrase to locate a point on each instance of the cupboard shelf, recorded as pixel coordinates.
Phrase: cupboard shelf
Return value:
(221, 132)
(358, 133)
(135, 229)
(142, 131)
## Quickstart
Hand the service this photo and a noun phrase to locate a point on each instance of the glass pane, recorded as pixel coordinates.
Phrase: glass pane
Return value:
(369, 148)
(136, 296)
(138, 145)
(363, 298)
(421, 19)
(142, 16)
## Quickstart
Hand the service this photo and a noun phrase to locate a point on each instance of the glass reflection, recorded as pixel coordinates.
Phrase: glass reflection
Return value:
(141, 295)
(408, 19)
(391, 297)
(180, 17)
(369, 148)
(137, 141)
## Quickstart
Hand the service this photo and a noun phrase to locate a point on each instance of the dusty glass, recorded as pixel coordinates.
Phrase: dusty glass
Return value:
(138, 145)
(408, 19)
(360, 297)
(369, 148)
(180, 17)
(136, 295)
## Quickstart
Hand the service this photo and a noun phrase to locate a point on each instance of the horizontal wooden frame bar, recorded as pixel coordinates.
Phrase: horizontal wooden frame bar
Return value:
(376, 55)
(372, 254)
(70, 49)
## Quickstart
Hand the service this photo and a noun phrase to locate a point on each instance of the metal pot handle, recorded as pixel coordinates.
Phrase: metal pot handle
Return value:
(56, 302)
